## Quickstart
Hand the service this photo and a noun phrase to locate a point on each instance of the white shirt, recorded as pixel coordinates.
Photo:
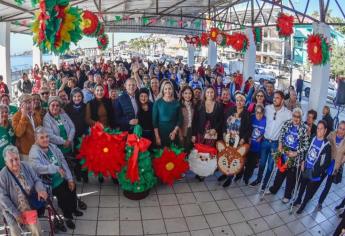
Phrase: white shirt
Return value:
(274, 121)
(134, 104)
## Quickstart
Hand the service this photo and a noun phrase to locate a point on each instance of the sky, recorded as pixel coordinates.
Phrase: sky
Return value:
(20, 42)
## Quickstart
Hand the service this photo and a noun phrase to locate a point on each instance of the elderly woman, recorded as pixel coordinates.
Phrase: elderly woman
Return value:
(60, 127)
(293, 143)
(13, 200)
(6, 132)
(48, 161)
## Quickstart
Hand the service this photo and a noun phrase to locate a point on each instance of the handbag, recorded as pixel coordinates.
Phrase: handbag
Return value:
(32, 198)
(338, 177)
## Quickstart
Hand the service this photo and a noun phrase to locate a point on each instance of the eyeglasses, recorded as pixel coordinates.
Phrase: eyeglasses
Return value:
(274, 116)
(260, 96)
(296, 116)
(45, 93)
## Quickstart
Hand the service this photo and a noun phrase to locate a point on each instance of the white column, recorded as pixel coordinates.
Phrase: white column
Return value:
(249, 56)
(190, 56)
(36, 56)
(320, 76)
(212, 53)
(56, 61)
(5, 58)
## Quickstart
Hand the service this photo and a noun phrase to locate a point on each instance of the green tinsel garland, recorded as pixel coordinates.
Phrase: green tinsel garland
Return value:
(325, 51)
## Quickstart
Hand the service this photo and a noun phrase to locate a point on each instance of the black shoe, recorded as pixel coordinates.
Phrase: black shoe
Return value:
(100, 179)
(228, 182)
(222, 178)
(59, 226)
(201, 179)
(254, 183)
(338, 207)
(70, 224)
(115, 181)
(300, 209)
(78, 213)
(82, 205)
(237, 178)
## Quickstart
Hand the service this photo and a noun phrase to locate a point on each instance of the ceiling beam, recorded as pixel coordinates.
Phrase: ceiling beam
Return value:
(115, 5)
(16, 7)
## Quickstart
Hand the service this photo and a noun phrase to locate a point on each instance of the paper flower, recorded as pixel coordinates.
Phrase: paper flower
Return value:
(204, 39)
(318, 49)
(102, 153)
(170, 166)
(103, 41)
(285, 24)
(221, 39)
(89, 23)
(239, 42)
(213, 34)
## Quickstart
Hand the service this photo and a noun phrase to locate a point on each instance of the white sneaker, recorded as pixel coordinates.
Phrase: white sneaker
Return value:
(285, 200)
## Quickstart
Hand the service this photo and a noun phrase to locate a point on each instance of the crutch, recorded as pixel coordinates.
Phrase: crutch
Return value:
(297, 185)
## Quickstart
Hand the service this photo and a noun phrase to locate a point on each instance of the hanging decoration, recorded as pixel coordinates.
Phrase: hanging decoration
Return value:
(193, 40)
(56, 26)
(137, 176)
(170, 164)
(204, 39)
(221, 39)
(238, 81)
(102, 152)
(318, 49)
(285, 24)
(20, 2)
(90, 23)
(100, 29)
(239, 42)
(103, 41)
(213, 34)
(283, 162)
(257, 31)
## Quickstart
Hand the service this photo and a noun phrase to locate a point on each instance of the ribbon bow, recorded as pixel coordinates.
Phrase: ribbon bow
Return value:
(140, 145)
(202, 148)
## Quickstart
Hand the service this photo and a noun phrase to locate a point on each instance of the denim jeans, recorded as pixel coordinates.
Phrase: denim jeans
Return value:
(267, 148)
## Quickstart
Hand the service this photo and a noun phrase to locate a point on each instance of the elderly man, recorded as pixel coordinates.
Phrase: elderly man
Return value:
(24, 123)
(15, 205)
(126, 107)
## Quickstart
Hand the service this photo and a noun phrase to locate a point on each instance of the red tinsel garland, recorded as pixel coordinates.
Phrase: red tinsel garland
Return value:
(285, 24)
(204, 39)
(102, 41)
(170, 167)
(42, 18)
(318, 49)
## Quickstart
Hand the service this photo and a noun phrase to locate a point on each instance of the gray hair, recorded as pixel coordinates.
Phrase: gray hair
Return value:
(259, 107)
(4, 106)
(11, 149)
(298, 110)
(40, 130)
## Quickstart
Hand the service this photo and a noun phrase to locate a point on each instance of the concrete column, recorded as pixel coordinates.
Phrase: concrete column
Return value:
(36, 56)
(5, 58)
(320, 76)
(190, 56)
(212, 53)
(249, 56)
(56, 61)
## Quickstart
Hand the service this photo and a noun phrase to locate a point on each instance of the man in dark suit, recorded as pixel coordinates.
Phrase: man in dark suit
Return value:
(126, 107)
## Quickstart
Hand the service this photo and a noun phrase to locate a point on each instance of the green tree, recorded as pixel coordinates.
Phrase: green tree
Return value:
(331, 19)
(338, 61)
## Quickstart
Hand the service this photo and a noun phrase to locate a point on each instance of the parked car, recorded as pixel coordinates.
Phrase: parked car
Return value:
(332, 91)
(260, 76)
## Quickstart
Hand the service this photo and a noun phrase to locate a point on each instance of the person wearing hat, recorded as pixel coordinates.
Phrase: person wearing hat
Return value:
(59, 126)
(76, 110)
(237, 129)
(24, 123)
(5, 99)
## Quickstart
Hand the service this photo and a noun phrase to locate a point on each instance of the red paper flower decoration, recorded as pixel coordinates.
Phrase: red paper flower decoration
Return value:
(90, 23)
(239, 42)
(285, 24)
(103, 41)
(195, 40)
(170, 167)
(103, 153)
(238, 80)
(318, 49)
(281, 167)
(213, 34)
(204, 39)
(101, 29)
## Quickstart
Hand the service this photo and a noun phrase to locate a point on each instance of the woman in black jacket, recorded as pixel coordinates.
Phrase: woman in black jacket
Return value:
(145, 113)
(76, 110)
(237, 129)
(208, 121)
(314, 166)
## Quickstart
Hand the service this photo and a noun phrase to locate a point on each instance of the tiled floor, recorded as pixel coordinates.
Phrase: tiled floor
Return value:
(200, 208)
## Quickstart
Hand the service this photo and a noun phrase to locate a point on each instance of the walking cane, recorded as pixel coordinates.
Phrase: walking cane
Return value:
(269, 180)
(297, 185)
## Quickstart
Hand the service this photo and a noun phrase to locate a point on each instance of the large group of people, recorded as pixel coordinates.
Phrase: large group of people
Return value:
(174, 104)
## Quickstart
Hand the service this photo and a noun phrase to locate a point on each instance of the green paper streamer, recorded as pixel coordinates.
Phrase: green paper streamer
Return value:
(325, 52)
(197, 23)
(146, 20)
(118, 18)
(138, 130)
